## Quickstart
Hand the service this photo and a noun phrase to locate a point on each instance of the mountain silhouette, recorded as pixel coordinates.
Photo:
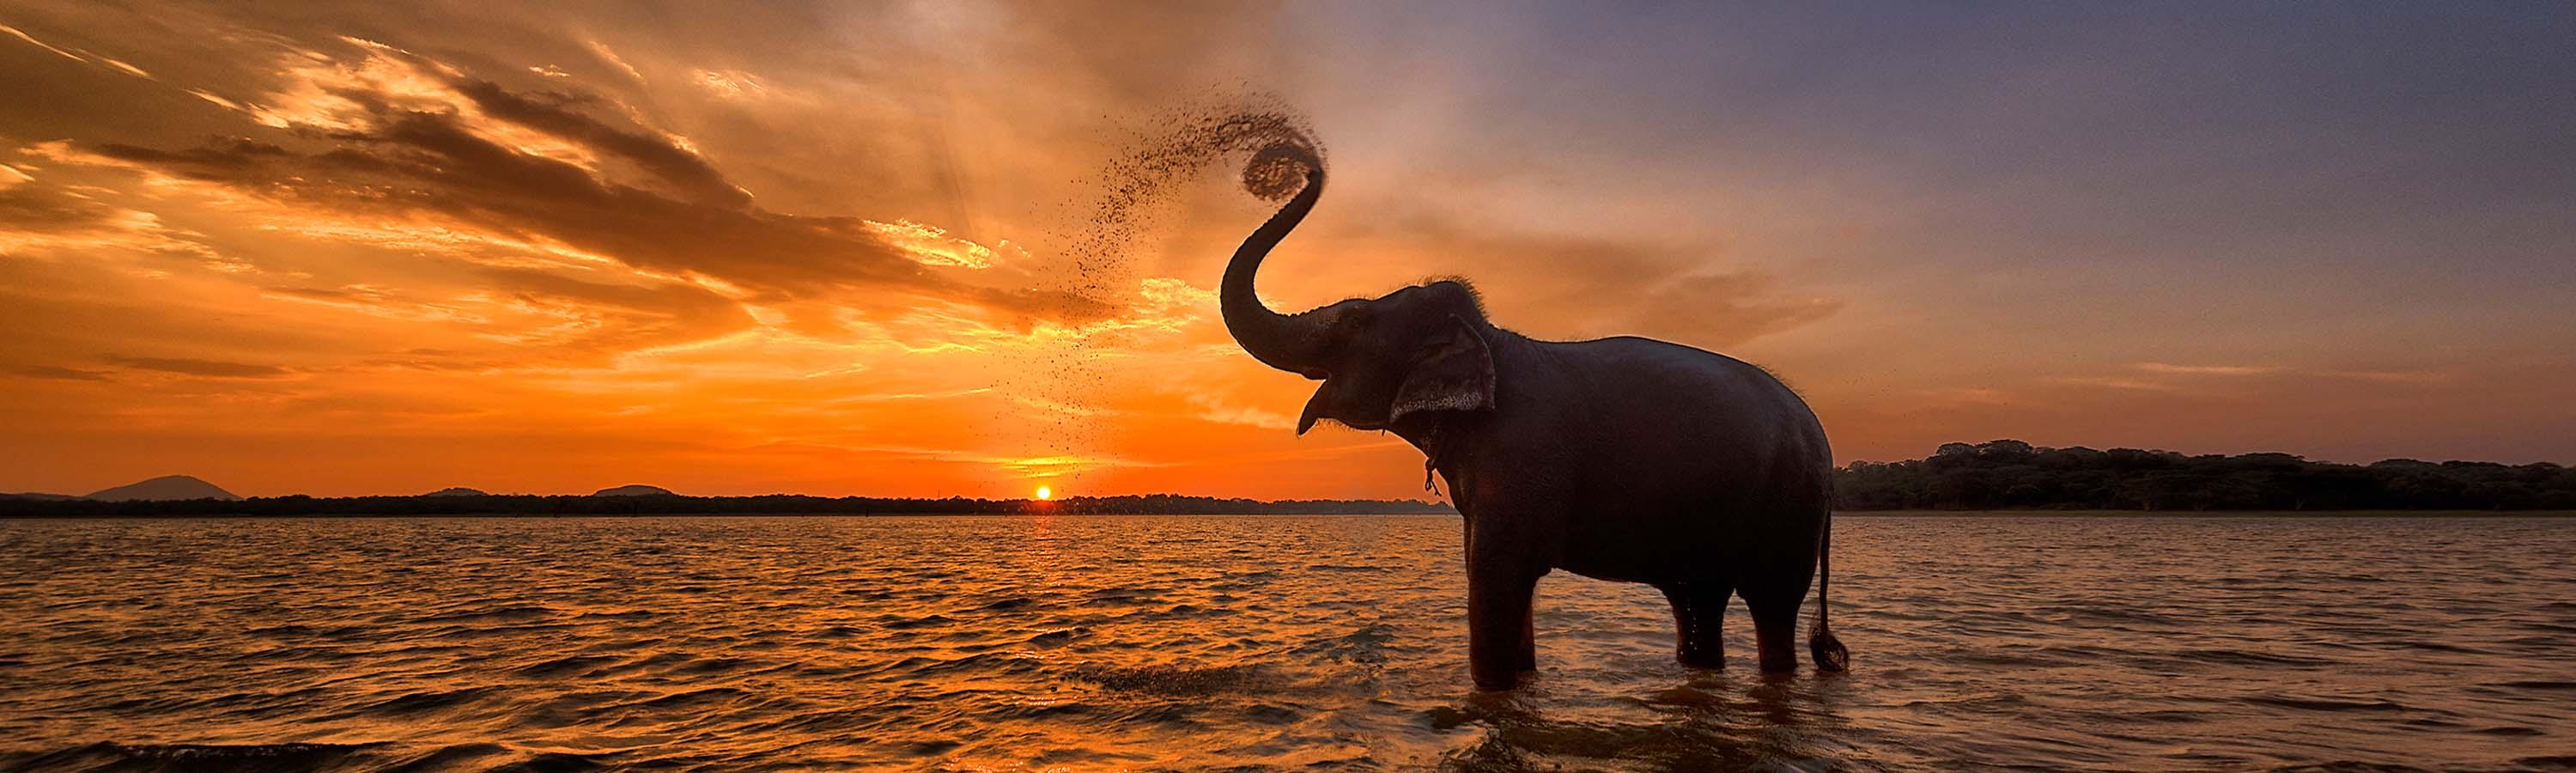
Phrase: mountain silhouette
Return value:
(166, 487)
(633, 491)
(458, 491)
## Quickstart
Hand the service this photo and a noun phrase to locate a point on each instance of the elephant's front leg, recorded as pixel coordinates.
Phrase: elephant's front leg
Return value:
(1500, 643)
(1505, 558)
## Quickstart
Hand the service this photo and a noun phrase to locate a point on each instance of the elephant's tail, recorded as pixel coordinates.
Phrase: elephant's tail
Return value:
(1828, 651)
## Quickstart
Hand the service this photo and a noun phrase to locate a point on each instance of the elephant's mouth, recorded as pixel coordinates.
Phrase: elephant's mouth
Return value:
(1308, 422)
(1330, 404)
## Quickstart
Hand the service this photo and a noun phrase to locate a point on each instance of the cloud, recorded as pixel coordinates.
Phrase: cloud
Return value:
(128, 69)
(610, 56)
(2111, 382)
(58, 372)
(377, 301)
(38, 208)
(730, 84)
(118, 65)
(1594, 284)
(216, 100)
(13, 31)
(614, 317)
(1726, 308)
(2206, 370)
(550, 112)
(395, 135)
(2245, 382)
(195, 367)
(1208, 407)
(2411, 377)
(931, 246)
(41, 217)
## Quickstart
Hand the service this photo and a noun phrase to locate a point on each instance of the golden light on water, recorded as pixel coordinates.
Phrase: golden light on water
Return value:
(1045, 493)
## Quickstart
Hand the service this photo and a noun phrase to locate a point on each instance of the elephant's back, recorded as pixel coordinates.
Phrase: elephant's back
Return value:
(1706, 456)
(1706, 393)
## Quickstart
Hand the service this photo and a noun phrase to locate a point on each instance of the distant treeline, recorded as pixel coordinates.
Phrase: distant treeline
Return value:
(673, 504)
(2005, 474)
(2001, 474)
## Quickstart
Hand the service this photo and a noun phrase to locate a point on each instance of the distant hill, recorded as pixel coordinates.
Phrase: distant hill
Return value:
(634, 491)
(38, 496)
(458, 491)
(162, 489)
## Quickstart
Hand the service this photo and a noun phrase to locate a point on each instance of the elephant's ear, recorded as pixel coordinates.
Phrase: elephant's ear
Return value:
(1457, 374)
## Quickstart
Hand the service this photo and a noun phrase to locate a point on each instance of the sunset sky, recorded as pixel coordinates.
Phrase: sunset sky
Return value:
(754, 247)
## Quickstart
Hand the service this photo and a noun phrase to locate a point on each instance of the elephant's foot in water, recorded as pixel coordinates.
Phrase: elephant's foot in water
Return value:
(1775, 632)
(1502, 645)
(1699, 617)
(1505, 677)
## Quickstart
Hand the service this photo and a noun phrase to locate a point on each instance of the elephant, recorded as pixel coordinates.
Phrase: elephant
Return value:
(1625, 458)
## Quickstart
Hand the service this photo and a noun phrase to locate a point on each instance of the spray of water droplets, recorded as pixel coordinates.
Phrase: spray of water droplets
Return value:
(1070, 381)
(1138, 182)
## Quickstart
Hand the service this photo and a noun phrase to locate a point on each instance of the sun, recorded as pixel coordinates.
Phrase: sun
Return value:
(1045, 493)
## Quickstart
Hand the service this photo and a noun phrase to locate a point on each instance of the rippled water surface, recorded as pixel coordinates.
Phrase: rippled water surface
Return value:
(1189, 643)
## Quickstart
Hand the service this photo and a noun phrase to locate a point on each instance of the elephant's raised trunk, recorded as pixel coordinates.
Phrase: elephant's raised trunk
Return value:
(1277, 340)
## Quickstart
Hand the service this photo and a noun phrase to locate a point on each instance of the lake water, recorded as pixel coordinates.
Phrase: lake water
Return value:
(1092, 643)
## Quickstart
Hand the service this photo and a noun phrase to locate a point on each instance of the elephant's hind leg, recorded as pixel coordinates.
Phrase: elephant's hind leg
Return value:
(1775, 631)
(1699, 617)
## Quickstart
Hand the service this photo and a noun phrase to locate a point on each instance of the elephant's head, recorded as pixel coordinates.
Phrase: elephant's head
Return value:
(1418, 349)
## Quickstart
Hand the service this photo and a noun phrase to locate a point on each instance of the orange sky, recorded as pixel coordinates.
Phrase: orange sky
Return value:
(828, 250)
